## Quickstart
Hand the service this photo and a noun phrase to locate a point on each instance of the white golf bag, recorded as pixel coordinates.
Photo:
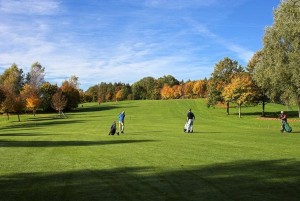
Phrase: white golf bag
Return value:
(188, 127)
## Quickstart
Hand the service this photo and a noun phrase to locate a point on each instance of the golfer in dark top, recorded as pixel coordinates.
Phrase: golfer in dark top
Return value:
(190, 117)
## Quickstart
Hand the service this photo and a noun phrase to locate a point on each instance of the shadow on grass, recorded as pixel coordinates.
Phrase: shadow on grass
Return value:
(241, 180)
(97, 108)
(13, 143)
(291, 114)
(48, 118)
(23, 135)
(94, 108)
(41, 123)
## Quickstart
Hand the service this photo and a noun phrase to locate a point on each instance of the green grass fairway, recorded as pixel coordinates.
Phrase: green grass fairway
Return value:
(45, 158)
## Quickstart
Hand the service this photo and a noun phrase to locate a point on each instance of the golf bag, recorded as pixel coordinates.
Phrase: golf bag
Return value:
(286, 127)
(188, 127)
(113, 129)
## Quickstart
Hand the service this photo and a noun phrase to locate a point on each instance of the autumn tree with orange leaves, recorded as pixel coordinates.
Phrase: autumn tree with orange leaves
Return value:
(200, 88)
(239, 90)
(167, 92)
(220, 78)
(32, 98)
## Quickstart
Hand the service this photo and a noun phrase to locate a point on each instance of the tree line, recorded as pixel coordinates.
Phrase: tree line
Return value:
(272, 74)
(30, 92)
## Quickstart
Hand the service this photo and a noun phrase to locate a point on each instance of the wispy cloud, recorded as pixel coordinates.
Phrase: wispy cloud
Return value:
(44, 7)
(241, 52)
(120, 40)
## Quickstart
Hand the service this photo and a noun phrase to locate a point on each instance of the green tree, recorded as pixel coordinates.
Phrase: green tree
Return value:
(47, 90)
(145, 88)
(168, 80)
(261, 84)
(221, 76)
(92, 93)
(11, 82)
(281, 53)
(12, 79)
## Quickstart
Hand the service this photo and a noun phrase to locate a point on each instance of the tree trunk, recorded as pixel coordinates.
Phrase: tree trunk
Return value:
(7, 114)
(263, 108)
(239, 110)
(227, 107)
(19, 117)
(299, 109)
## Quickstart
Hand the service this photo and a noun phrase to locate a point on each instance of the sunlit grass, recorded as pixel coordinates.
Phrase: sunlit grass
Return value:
(74, 158)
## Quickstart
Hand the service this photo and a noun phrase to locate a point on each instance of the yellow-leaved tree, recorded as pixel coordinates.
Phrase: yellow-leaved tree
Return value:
(239, 90)
(32, 98)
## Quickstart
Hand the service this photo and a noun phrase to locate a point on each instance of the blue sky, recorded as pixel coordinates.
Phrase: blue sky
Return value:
(126, 40)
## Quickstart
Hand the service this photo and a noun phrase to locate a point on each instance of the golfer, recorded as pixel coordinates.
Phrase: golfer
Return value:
(283, 118)
(190, 117)
(121, 121)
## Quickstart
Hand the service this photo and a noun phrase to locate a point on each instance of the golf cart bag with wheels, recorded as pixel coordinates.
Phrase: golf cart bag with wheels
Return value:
(188, 127)
(286, 127)
(113, 129)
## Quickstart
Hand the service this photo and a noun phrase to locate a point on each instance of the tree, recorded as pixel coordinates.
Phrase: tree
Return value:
(119, 95)
(92, 93)
(167, 79)
(74, 81)
(7, 103)
(72, 95)
(18, 104)
(261, 84)
(144, 88)
(239, 90)
(31, 90)
(281, 53)
(2, 95)
(47, 90)
(167, 92)
(36, 75)
(178, 91)
(200, 88)
(188, 89)
(32, 98)
(11, 81)
(221, 76)
(59, 102)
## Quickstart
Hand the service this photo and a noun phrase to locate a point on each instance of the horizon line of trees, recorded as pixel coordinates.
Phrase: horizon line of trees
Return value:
(272, 75)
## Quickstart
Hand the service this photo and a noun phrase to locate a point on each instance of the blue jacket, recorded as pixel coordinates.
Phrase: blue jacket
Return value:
(121, 117)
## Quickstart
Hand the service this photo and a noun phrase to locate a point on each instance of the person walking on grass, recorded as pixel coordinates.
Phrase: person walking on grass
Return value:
(190, 117)
(285, 127)
(121, 121)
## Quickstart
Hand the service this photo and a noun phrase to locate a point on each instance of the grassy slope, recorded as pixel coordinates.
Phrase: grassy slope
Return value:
(227, 158)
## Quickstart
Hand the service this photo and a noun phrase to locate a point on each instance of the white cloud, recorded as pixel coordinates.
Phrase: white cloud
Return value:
(44, 7)
(126, 45)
